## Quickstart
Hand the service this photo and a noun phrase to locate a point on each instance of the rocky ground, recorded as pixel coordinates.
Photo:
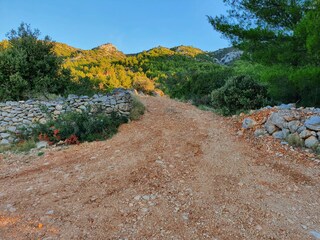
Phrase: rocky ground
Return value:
(178, 173)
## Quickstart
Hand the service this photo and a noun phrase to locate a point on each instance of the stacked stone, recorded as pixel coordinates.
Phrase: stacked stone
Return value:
(288, 122)
(14, 115)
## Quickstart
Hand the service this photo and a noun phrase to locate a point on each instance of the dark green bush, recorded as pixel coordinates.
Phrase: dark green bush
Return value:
(75, 127)
(239, 93)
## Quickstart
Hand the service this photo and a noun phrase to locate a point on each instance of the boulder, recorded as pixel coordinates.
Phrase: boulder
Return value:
(278, 135)
(248, 123)
(285, 133)
(313, 123)
(270, 127)
(301, 129)
(306, 133)
(293, 126)
(277, 119)
(287, 106)
(311, 142)
(5, 135)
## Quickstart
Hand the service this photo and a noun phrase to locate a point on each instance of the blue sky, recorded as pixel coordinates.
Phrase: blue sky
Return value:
(131, 25)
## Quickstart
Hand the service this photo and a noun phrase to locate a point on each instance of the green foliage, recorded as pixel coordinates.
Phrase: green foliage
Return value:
(28, 65)
(286, 83)
(137, 110)
(74, 127)
(295, 140)
(239, 94)
(20, 147)
(265, 29)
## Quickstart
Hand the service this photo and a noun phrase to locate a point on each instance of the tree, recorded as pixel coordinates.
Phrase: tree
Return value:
(266, 29)
(29, 66)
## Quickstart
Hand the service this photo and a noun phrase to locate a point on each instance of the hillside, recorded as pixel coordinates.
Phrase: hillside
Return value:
(105, 67)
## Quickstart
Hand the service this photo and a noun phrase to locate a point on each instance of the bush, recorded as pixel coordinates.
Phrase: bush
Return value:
(137, 110)
(143, 83)
(239, 93)
(75, 127)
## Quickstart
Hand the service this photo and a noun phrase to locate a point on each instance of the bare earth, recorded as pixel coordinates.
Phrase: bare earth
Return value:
(178, 173)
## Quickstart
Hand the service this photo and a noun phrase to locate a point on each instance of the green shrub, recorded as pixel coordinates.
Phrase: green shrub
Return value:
(239, 94)
(137, 110)
(75, 127)
(295, 140)
(23, 146)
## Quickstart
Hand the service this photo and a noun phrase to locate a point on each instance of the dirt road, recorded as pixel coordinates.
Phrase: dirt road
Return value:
(178, 173)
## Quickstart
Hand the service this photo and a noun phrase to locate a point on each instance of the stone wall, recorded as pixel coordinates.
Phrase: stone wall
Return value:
(14, 115)
(301, 126)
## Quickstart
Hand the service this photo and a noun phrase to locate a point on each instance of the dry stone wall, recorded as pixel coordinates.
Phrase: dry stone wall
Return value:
(288, 124)
(14, 115)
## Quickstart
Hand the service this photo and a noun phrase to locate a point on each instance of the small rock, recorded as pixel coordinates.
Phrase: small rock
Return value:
(260, 132)
(145, 210)
(4, 142)
(304, 227)
(146, 197)
(50, 212)
(248, 123)
(270, 128)
(306, 133)
(293, 126)
(59, 107)
(12, 129)
(137, 198)
(278, 135)
(285, 132)
(185, 216)
(5, 135)
(301, 129)
(240, 133)
(258, 227)
(311, 142)
(287, 106)
(42, 144)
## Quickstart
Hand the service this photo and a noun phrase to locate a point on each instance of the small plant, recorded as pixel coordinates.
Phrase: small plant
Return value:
(20, 147)
(73, 139)
(137, 110)
(40, 154)
(295, 140)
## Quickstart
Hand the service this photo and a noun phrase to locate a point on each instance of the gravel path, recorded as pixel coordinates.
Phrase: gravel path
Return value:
(178, 173)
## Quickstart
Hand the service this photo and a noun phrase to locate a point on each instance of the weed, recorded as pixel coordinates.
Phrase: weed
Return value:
(137, 110)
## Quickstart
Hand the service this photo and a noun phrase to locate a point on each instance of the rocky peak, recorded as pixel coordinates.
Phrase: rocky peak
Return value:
(108, 47)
